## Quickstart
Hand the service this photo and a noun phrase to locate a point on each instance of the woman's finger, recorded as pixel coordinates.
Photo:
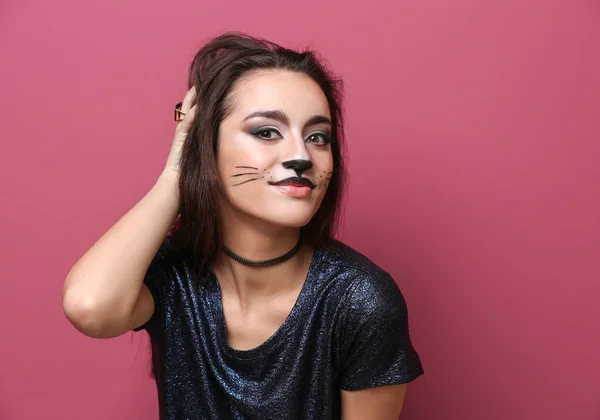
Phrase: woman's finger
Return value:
(188, 100)
(186, 123)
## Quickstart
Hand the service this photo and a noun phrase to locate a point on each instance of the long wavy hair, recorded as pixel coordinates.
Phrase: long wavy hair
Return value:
(217, 66)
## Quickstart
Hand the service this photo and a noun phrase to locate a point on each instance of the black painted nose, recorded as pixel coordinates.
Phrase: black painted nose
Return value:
(298, 165)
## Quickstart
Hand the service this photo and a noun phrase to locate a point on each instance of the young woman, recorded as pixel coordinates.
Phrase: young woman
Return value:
(253, 309)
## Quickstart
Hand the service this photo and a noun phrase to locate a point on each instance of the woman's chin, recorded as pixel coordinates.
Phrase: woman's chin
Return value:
(288, 220)
(273, 218)
(291, 222)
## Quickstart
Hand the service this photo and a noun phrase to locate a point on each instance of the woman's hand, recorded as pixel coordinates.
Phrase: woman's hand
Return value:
(183, 127)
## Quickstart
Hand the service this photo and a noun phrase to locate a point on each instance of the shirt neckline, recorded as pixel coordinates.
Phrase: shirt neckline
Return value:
(281, 332)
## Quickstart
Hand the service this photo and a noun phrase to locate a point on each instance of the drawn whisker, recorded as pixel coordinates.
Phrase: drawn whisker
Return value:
(247, 167)
(240, 183)
(245, 173)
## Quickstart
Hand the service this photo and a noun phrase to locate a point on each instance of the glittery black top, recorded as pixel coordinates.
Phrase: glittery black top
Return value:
(347, 330)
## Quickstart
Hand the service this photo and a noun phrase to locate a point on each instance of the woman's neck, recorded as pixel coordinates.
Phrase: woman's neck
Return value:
(259, 241)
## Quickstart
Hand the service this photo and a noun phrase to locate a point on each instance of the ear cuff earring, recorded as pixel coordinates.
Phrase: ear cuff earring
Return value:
(179, 114)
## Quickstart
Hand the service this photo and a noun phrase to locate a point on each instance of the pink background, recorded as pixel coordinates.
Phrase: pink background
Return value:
(474, 139)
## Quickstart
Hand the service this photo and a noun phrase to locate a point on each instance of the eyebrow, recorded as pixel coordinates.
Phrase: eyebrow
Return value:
(279, 115)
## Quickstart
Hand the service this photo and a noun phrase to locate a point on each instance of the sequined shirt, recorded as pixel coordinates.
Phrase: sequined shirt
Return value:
(348, 330)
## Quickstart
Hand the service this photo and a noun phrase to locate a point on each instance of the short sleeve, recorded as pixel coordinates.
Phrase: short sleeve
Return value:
(157, 281)
(375, 345)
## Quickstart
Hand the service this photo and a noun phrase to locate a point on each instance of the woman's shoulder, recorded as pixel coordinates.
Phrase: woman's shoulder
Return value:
(365, 283)
(369, 305)
(340, 255)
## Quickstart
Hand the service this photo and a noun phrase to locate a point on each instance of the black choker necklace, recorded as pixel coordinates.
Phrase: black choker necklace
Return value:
(264, 263)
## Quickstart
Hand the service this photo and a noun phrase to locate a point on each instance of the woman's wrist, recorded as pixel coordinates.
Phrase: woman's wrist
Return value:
(168, 184)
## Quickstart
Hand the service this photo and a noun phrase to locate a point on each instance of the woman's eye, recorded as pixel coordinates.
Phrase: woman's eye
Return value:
(319, 139)
(266, 133)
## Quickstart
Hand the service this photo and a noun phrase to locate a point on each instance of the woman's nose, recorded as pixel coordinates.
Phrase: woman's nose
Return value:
(298, 165)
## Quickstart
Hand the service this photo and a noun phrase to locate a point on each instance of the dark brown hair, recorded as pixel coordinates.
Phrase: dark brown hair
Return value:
(214, 72)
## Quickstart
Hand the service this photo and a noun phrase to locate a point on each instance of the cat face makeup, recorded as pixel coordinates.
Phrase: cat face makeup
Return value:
(274, 153)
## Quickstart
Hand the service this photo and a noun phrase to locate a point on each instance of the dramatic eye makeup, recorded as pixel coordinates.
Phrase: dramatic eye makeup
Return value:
(266, 132)
(319, 138)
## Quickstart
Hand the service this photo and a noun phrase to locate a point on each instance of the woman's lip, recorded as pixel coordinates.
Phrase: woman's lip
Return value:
(297, 191)
(296, 181)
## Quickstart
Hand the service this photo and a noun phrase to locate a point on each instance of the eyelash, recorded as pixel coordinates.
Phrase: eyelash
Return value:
(326, 138)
